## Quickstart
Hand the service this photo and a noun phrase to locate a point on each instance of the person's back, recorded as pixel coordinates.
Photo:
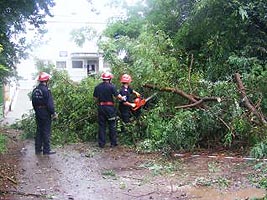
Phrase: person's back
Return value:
(104, 94)
(105, 91)
(42, 101)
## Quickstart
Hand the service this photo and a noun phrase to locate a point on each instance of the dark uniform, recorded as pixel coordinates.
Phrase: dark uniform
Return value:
(43, 105)
(125, 111)
(104, 93)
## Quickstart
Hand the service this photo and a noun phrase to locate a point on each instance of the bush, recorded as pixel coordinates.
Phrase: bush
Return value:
(259, 150)
(27, 124)
(2, 143)
(179, 132)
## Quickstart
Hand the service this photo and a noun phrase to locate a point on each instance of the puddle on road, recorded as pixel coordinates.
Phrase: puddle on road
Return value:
(204, 193)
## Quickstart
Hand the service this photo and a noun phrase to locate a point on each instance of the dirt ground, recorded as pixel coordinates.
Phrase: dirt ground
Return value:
(85, 172)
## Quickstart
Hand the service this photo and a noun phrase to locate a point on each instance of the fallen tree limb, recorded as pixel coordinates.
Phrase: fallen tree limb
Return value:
(8, 178)
(173, 90)
(14, 192)
(196, 101)
(246, 101)
(200, 102)
(142, 195)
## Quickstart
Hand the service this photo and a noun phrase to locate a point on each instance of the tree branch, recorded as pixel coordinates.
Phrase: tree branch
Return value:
(9, 179)
(246, 101)
(196, 101)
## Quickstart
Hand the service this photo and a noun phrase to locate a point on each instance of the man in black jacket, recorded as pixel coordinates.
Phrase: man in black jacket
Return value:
(104, 93)
(43, 105)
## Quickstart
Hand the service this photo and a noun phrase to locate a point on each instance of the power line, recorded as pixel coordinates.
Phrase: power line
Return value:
(74, 22)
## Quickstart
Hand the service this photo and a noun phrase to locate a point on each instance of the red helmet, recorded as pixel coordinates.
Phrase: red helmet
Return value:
(43, 76)
(125, 78)
(106, 76)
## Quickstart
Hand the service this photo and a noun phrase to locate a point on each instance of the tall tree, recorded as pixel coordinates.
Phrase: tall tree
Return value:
(225, 36)
(15, 17)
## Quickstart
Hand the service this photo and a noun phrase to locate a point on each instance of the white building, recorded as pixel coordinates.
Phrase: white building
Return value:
(80, 64)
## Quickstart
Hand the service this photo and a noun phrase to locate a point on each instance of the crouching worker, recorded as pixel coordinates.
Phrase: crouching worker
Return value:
(107, 113)
(125, 107)
(43, 105)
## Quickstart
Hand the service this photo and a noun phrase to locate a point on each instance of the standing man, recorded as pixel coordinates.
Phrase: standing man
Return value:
(43, 105)
(104, 93)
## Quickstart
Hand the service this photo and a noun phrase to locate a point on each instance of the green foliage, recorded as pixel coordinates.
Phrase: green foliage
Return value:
(42, 66)
(79, 36)
(14, 15)
(258, 92)
(259, 150)
(28, 125)
(182, 132)
(108, 173)
(179, 131)
(259, 178)
(148, 58)
(2, 143)
(217, 30)
(154, 58)
(76, 108)
(263, 183)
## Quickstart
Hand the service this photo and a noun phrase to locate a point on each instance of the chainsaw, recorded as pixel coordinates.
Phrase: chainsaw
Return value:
(139, 101)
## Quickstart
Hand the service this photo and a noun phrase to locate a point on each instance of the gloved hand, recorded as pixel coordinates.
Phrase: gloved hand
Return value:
(137, 94)
(54, 116)
(132, 105)
(124, 98)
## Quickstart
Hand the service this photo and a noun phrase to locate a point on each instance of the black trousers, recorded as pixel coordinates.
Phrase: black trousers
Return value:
(125, 113)
(107, 118)
(43, 133)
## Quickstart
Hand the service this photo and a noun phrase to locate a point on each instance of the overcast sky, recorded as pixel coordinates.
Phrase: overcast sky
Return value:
(70, 15)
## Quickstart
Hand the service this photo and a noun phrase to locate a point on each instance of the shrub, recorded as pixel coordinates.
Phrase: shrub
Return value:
(2, 143)
(259, 150)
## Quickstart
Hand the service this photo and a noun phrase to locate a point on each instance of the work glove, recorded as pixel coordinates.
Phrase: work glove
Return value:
(124, 98)
(54, 116)
(137, 94)
(132, 105)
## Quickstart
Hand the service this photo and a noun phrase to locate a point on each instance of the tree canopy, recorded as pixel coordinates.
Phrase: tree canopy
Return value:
(16, 16)
(224, 36)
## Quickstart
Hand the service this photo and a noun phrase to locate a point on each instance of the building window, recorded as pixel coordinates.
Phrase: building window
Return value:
(61, 64)
(77, 64)
(63, 54)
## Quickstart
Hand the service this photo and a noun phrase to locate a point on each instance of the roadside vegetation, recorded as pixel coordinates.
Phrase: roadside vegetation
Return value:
(2, 143)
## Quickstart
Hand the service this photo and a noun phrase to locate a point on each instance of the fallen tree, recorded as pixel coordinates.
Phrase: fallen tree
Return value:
(198, 102)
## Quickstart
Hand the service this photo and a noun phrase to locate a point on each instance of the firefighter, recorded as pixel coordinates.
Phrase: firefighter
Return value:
(103, 94)
(43, 105)
(126, 90)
